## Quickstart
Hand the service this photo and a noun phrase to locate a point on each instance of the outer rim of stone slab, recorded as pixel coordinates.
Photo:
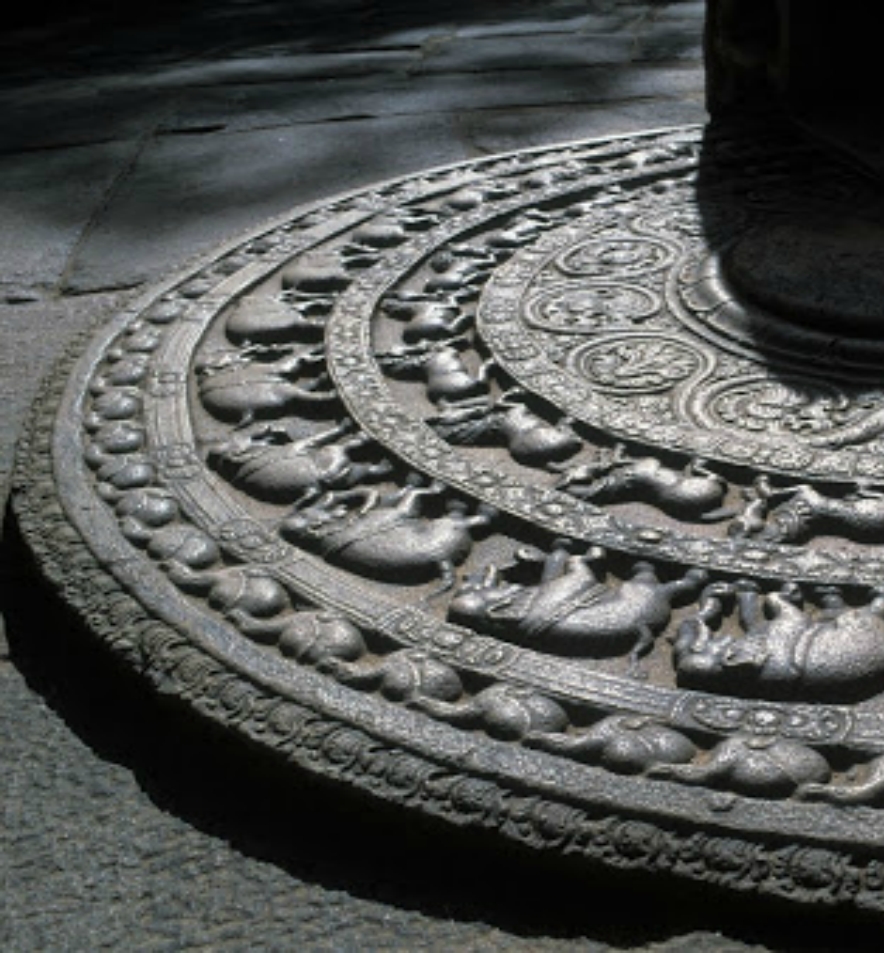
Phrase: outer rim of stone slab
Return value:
(336, 749)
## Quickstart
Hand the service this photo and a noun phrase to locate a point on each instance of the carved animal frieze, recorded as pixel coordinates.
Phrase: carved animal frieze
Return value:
(504, 711)
(781, 648)
(387, 535)
(448, 378)
(530, 439)
(262, 381)
(695, 492)
(571, 609)
(427, 317)
(410, 675)
(280, 319)
(271, 465)
(805, 512)
(863, 784)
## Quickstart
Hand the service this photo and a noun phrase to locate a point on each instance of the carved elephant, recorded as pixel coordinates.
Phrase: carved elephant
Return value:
(272, 466)
(783, 651)
(570, 611)
(387, 536)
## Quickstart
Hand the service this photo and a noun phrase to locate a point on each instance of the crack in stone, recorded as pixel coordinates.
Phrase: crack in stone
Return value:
(103, 205)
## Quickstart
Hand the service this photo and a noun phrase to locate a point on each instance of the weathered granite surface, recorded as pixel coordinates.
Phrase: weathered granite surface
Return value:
(128, 147)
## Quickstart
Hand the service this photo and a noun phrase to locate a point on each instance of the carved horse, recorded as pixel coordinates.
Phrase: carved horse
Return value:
(806, 512)
(448, 377)
(694, 492)
(570, 611)
(460, 270)
(530, 440)
(429, 317)
(836, 654)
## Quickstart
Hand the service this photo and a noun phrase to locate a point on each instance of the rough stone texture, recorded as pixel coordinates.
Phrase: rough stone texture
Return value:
(122, 825)
(125, 825)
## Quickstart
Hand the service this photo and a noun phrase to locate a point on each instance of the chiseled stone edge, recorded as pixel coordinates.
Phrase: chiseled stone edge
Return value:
(336, 750)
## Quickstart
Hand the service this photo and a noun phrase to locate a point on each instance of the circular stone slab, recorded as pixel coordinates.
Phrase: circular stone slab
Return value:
(484, 493)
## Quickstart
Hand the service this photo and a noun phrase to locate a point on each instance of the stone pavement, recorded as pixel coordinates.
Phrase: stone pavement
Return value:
(131, 143)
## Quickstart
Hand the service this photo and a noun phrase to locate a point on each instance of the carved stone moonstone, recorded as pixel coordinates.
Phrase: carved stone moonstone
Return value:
(522, 493)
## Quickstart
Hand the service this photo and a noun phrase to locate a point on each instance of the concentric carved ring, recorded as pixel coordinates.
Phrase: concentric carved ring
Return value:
(475, 491)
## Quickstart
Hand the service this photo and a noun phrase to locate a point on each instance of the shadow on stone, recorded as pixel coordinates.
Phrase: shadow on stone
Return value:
(96, 37)
(321, 834)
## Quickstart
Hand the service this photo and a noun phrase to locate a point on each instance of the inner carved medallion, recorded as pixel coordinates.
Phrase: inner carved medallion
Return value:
(494, 492)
